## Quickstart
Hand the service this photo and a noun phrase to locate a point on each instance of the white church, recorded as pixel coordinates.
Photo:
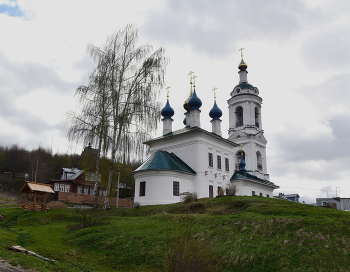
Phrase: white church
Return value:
(193, 160)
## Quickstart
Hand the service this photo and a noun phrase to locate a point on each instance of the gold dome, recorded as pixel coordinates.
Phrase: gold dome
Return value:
(242, 66)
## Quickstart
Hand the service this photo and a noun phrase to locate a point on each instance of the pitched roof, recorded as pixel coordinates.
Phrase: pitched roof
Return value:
(163, 160)
(241, 175)
(36, 187)
(192, 130)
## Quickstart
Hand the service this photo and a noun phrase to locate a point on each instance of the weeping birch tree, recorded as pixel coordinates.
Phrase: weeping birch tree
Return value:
(130, 79)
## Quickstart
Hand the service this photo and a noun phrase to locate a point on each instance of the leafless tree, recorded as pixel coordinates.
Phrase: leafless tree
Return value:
(119, 106)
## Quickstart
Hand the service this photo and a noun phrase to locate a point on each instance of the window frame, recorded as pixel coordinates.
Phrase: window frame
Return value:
(79, 188)
(211, 191)
(142, 191)
(253, 193)
(67, 188)
(176, 188)
(218, 162)
(211, 159)
(56, 187)
(227, 164)
(61, 187)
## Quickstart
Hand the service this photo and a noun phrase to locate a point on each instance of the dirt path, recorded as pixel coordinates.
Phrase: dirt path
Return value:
(5, 266)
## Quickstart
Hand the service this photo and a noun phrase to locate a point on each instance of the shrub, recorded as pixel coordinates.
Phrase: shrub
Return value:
(190, 197)
(137, 205)
(220, 192)
(87, 216)
(231, 189)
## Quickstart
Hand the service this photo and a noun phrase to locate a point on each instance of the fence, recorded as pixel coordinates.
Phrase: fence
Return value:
(89, 199)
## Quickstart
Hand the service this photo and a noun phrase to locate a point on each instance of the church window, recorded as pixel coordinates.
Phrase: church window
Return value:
(267, 196)
(253, 193)
(238, 158)
(227, 164)
(142, 188)
(211, 159)
(259, 161)
(256, 117)
(211, 192)
(239, 116)
(261, 194)
(238, 90)
(176, 188)
(219, 162)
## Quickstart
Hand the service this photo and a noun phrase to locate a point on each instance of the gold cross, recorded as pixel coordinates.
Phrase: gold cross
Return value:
(241, 52)
(167, 89)
(194, 81)
(214, 91)
(190, 74)
(242, 149)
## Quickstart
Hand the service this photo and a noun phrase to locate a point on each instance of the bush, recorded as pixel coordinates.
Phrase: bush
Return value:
(231, 189)
(87, 216)
(137, 205)
(190, 197)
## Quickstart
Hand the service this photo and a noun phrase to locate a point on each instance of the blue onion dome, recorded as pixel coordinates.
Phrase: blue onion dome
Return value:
(242, 66)
(194, 103)
(167, 111)
(215, 112)
(184, 121)
(242, 164)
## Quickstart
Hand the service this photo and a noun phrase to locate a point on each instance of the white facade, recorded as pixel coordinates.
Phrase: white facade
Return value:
(212, 159)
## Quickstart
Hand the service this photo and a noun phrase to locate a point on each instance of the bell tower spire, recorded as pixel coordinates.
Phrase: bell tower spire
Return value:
(245, 124)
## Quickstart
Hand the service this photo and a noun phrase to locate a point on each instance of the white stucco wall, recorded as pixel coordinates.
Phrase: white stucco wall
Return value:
(159, 186)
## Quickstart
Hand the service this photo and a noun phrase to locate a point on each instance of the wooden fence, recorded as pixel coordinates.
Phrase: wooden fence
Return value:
(89, 199)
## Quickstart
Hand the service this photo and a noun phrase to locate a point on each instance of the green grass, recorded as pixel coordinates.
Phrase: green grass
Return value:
(244, 234)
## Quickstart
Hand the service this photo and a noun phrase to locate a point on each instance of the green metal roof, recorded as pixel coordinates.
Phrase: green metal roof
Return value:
(245, 85)
(163, 160)
(239, 175)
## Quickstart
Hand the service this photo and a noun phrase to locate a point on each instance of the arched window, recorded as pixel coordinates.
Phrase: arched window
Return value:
(238, 158)
(239, 116)
(256, 117)
(258, 160)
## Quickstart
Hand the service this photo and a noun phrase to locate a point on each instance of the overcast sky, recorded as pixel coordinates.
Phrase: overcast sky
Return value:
(298, 55)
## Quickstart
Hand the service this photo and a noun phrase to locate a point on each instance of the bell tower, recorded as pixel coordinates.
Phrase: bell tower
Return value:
(245, 126)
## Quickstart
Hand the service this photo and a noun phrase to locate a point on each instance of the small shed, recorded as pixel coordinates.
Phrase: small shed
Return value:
(35, 196)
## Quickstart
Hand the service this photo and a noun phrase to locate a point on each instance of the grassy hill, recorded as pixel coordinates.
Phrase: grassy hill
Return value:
(224, 234)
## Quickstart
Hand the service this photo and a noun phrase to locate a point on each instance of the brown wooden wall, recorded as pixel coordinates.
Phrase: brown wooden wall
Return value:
(89, 199)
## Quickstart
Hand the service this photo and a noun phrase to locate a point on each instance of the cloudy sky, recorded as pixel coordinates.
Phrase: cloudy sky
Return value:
(298, 55)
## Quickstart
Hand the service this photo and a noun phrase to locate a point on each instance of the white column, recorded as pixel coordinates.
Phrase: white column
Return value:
(167, 125)
(243, 76)
(216, 126)
(195, 118)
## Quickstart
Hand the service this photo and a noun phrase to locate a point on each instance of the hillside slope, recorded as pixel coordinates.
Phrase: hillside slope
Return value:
(236, 233)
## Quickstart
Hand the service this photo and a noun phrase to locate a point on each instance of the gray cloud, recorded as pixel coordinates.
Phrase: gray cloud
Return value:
(23, 77)
(327, 48)
(215, 27)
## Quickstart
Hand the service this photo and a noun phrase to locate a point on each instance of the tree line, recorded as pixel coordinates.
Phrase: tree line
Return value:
(42, 166)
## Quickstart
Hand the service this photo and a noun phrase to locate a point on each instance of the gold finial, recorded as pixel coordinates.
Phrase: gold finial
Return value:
(242, 149)
(214, 92)
(194, 81)
(190, 74)
(167, 89)
(241, 52)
